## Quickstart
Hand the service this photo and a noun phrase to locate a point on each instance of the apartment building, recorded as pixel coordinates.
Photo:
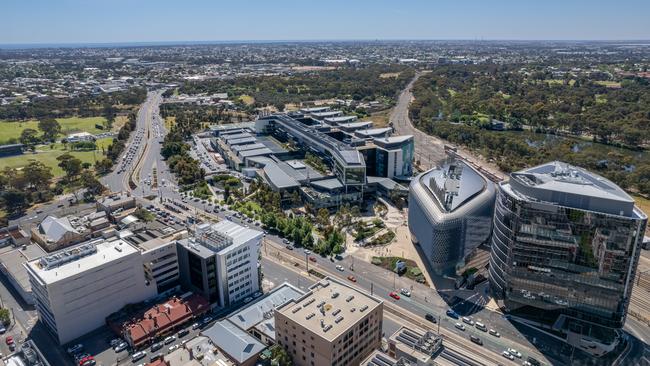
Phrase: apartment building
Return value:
(332, 324)
(220, 262)
(77, 288)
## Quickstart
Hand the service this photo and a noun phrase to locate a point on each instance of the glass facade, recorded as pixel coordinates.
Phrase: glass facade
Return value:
(563, 260)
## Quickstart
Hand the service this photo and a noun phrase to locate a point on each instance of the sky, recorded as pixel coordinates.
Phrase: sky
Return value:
(111, 21)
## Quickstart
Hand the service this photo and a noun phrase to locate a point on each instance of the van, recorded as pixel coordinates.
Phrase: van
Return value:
(480, 326)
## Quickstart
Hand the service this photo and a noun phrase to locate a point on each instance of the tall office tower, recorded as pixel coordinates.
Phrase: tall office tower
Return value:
(565, 247)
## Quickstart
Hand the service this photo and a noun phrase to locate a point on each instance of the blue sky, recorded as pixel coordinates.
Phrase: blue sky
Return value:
(98, 21)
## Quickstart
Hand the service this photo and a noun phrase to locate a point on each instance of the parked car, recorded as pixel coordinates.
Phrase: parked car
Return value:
(430, 318)
(405, 292)
(313, 259)
(352, 278)
(173, 348)
(460, 326)
(476, 339)
(289, 247)
(507, 355)
(114, 342)
(169, 340)
(196, 326)
(468, 320)
(120, 347)
(494, 333)
(514, 352)
(183, 333)
(75, 349)
(156, 346)
(138, 356)
(339, 267)
(394, 295)
(2, 329)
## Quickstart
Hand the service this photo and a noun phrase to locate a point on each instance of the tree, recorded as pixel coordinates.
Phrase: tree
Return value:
(295, 198)
(70, 165)
(15, 201)
(323, 217)
(37, 177)
(280, 357)
(29, 137)
(4, 316)
(103, 166)
(50, 127)
(91, 184)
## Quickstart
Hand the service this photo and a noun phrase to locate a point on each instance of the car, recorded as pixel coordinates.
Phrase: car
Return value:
(352, 278)
(313, 259)
(155, 357)
(475, 339)
(169, 340)
(405, 292)
(207, 319)
(248, 299)
(196, 326)
(452, 314)
(394, 295)
(289, 247)
(156, 346)
(80, 356)
(138, 356)
(480, 326)
(494, 333)
(115, 341)
(183, 333)
(2, 329)
(120, 347)
(173, 348)
(430, 318)
(460, 326)
(307, 251)
(340, 268)
(507, 355)
(514, 352)
(75, 349)
(468, 320)
(533, 361)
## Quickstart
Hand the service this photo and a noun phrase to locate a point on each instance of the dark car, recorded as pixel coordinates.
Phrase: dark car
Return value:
(183, 333)
(452, 314)
(430, 318)
(476, 340)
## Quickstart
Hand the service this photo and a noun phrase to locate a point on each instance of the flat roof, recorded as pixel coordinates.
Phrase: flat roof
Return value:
(107, 251)
(333, 302)
(240, 141)
(328, 184)
(278, 177)
(262, 309)
(239, 234)
(233, 341)
(453, 184)
(340, 119)
(253, 146)
(372, 131)
(255, 152)
(235, 136)
(14, 261)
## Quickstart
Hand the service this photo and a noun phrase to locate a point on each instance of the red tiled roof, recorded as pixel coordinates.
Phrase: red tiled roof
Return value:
(164, 316)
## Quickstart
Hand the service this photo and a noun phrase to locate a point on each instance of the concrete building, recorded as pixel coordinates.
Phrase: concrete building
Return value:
(115, 204)
(220, 262)
(450, 213)
(332, 324)
(77, 288)
(12, 266)
(57, 232)
(415, 346)
(565, 248)
(240, 347)
(160, 262)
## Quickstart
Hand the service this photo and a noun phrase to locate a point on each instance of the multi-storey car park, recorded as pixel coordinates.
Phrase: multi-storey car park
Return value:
(565, 247)
(450, 213)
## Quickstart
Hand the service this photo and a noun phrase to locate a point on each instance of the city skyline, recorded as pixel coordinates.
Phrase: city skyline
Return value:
(200, 21)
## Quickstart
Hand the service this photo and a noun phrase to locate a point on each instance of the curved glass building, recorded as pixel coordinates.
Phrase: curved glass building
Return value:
(565, 245)
(450, 213)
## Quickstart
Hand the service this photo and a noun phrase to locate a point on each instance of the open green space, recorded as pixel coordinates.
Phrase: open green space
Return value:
(47, 155)
(9, 130)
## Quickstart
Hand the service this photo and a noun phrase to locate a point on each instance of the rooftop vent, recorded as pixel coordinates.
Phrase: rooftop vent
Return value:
(336, 312)
(353, 310)
(363, 308)
(311, 315)
(295, 310)
(335, 295)
(320, 304)
(338, 320)
(350, 298)
(328, 327)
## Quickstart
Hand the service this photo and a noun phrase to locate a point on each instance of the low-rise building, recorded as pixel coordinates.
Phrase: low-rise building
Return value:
(332, 324)
(58, 232)
(417, 346)
(12, 266)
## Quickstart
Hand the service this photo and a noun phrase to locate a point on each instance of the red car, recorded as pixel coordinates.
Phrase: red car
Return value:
(313, 259)
(352, 278)
(9, 340)
(394, 295)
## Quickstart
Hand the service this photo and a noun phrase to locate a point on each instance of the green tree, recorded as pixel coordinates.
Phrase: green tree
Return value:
(103, 166)
(29, 137)
(91, 184)
(50, 127)
(70, 165)
(15, 201)
(323, 217)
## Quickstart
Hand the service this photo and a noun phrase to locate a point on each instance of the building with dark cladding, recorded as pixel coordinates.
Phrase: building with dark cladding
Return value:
(565, 247)
(450, 213)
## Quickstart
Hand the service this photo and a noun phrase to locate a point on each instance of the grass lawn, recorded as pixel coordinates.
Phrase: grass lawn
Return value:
(380, 118)
(387, 75)
(119, 122)
(48, 157)
(70, 125)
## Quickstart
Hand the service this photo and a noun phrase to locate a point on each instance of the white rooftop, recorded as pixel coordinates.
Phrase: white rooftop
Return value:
(107, 251)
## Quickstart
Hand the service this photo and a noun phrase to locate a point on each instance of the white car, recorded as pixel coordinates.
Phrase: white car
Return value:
(169, 340)
(339, 267)
(494, 333)
(460, 326)
(507, 355)
(120, 347)
(405, 292)
(514, 352)
(468, 320)
(173, 348)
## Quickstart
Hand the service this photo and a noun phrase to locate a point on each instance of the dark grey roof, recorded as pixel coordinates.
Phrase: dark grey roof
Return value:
(236, 136)
(243, 140)
(454, 183)
(233, 341)
(278, 178)
(328, 184)
(255, 152)
(245, 147)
